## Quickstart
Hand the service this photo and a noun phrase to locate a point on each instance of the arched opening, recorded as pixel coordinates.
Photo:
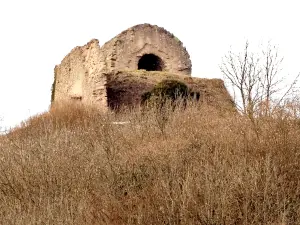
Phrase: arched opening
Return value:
(150, 62)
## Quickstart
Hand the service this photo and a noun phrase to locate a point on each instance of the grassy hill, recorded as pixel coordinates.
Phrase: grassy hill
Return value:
(74, 165)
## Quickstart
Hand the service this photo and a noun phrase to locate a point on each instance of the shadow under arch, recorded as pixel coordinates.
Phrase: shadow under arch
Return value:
(150, 62)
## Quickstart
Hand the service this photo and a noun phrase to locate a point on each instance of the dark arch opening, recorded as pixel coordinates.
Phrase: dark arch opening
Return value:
(150, 62)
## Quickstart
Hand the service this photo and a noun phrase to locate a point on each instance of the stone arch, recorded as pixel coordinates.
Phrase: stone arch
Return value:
(151, 62)
(126, 50)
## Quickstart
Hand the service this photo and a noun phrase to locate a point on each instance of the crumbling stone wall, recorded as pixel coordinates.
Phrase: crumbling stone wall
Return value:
(79, 77)
(125, 50)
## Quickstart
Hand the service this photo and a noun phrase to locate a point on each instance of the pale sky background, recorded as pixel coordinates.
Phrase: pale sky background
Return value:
(35, 35)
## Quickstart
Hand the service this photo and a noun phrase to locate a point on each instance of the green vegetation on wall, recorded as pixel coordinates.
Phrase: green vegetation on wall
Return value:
(53, 87)
(169, 90)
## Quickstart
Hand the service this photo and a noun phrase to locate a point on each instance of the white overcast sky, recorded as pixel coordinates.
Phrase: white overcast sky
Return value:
(35, 35)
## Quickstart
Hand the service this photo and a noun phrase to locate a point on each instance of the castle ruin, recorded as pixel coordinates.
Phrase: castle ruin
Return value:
(125, 67)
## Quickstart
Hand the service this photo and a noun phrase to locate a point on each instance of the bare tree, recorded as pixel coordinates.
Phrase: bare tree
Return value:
(270, 79)
(255, 78)
(242, 71)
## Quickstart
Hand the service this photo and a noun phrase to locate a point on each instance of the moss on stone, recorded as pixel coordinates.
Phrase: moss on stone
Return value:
(167, 89)
(53, 87)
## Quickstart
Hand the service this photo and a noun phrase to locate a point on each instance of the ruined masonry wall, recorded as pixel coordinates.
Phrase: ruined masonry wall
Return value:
(124, 51)
(79, 77)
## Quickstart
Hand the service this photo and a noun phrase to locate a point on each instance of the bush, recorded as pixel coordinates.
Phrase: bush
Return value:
(168, 90)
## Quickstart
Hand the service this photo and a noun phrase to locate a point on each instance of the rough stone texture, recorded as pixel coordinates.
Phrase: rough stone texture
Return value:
(125, 50)
(79, 77)
(109, 76)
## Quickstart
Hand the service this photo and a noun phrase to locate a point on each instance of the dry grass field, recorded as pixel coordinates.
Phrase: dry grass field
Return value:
(73, 165)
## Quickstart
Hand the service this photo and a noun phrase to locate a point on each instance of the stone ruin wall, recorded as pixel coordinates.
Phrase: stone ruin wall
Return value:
(125, 50)
(79, 77)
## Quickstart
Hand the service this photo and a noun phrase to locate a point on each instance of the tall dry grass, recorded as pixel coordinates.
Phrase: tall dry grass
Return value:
(72, 165)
